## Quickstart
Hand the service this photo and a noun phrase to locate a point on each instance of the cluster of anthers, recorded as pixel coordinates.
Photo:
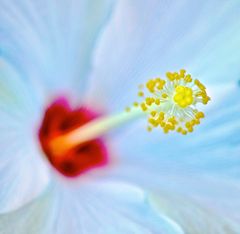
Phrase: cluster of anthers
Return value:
(171, 103)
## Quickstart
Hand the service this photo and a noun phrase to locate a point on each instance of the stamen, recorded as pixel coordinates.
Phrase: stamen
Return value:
(169, 104)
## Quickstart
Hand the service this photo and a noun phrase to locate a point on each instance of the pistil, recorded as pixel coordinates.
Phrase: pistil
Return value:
(170, 104)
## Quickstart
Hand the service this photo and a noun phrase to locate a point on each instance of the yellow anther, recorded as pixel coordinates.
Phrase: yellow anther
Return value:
(151, 85)
(206, 100)
(176, 76)
(190, 129)
(153, 113)
(171, 127)
(172, 120)
(164, 95)
(153, 122)
(143, 106)
(168, 126)
(200, 115)
(192, 122)
(165, 130)
(170, 76)
(162, 124)
(199, 84)
(160, 86)
(184, 132)
(163, 82)
(199, 94)
(188, 78)
(179, 129)
(149, 129)
(136, 104)
(157, 101)
(149, 101)
(159, 121)
(161, 115)
(182, 73)
(197, 121)
(127, 109)
(140, 93)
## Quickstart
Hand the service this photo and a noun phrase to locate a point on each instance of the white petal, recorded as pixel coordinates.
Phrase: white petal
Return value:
(51, 42)
(145, 40)
(45, 48)
(108, 207)
(193, 218)
(23, 174)
(203, 165)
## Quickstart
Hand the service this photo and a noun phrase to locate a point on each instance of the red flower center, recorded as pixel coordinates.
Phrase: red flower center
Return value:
(59, 119)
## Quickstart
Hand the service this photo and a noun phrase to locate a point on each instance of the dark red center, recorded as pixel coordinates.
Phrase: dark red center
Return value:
(60, 119)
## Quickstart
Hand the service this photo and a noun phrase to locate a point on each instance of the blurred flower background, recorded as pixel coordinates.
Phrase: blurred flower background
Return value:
(96, 53)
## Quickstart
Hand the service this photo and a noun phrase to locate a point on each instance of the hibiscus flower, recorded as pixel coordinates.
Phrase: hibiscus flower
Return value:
(68, 68)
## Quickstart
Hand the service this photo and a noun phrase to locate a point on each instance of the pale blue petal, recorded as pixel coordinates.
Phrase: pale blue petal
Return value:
(102, 207)
(23, 173)
(191, 216)
(203, 165)
(45, 50)
(185, 33)
(51, 42)
(146, 39)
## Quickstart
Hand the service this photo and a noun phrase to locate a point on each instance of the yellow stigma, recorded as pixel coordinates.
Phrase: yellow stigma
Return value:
(171, 103)
(183, 96)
